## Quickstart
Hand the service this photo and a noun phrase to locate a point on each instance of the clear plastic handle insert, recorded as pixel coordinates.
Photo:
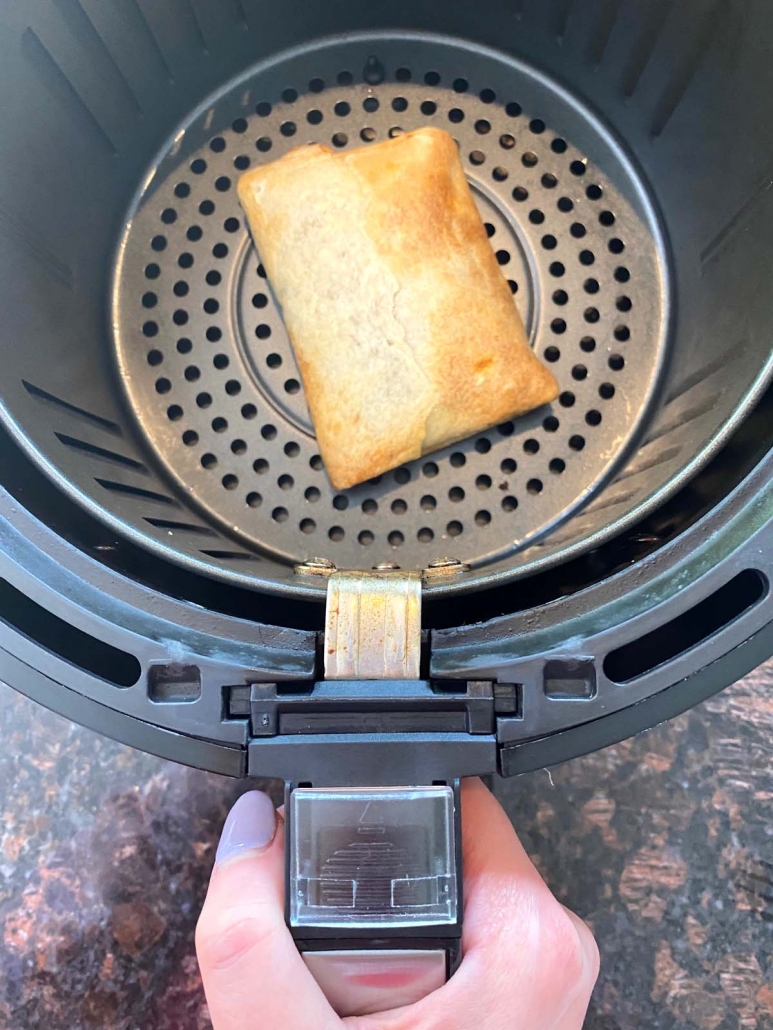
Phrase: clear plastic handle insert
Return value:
(373, 857)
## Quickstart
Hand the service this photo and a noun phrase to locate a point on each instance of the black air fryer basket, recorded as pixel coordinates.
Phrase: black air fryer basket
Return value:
(159, 476)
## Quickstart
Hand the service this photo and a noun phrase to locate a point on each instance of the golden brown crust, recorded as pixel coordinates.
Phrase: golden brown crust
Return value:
(403, 325)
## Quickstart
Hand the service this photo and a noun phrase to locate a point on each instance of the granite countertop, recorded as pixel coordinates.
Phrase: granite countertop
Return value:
(664, 843)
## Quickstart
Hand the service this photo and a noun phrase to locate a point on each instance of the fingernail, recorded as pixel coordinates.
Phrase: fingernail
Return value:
(250, 826)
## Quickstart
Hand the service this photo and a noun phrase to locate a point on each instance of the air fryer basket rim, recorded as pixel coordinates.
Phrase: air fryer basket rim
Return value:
(62, 580)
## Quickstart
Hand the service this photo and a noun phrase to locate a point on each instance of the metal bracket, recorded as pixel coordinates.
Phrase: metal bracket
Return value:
(373, 626)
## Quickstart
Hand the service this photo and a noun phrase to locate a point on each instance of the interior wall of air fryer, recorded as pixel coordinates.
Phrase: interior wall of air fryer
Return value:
(93, 93)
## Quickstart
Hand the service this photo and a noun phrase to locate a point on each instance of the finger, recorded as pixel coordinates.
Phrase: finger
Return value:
(526, 945)
(577, 1001)
(531, 950)
(496, 866)
(252, 972)
(527, 962)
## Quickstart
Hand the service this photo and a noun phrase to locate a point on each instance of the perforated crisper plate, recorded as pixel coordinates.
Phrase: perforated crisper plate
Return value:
(208, 367)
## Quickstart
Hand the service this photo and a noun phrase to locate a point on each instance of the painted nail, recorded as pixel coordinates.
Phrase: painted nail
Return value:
(250, 826)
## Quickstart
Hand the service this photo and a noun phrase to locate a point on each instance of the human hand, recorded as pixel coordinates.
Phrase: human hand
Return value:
(528, 962)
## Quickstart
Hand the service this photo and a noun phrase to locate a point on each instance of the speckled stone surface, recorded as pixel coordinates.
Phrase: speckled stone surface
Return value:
(664, 843)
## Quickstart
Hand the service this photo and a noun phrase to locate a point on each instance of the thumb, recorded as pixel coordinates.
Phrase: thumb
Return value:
(253, 974)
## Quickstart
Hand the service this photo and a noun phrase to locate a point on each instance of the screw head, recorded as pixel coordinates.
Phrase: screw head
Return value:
(386, 566)
(445, 567)
(315, 567)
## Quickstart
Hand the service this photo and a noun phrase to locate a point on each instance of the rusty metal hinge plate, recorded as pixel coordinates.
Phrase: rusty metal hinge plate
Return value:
(373, 626)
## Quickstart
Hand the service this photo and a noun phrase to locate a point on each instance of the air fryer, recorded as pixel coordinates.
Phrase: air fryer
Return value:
(166, 524)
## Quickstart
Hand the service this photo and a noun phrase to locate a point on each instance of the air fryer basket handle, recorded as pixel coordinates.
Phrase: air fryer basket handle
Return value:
(373, 873)
(374, 890)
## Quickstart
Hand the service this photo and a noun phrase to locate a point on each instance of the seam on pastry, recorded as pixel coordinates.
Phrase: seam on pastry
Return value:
(407, 348)
(410, 350)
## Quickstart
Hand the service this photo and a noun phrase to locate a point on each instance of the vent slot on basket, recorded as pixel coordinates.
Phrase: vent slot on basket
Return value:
(174, 684)
(687, 630)
(569, 679)
(87, 416)
(67, 642)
